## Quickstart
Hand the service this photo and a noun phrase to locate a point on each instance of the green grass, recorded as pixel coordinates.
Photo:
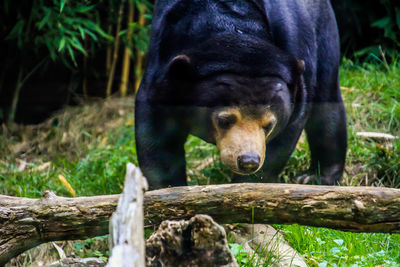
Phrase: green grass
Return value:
(245, 259)
(325, 247)
(372, 97)
(101, 171)
(95, 163)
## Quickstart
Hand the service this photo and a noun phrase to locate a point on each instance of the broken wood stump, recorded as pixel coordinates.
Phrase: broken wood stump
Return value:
(197, 242)
(127, 244)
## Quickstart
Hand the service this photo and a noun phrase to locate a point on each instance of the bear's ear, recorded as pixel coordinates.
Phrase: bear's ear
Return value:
(181, 69)
(298, 85)
(300, 66)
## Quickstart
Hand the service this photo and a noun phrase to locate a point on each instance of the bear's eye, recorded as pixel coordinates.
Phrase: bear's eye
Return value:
(267, 128)
(225, 122)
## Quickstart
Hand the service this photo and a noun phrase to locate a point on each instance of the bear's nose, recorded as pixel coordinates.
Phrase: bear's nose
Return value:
(248, 162)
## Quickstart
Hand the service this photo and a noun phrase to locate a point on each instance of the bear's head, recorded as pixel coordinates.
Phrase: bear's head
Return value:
(246, 113)
(249, 88)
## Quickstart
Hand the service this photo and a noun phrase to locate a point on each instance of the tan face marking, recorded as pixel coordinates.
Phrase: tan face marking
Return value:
(242, 131)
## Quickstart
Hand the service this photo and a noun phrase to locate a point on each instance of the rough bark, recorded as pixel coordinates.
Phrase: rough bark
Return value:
(357, 209)
(25, 223)
(196, 242)
(77, 262)
(126, 226)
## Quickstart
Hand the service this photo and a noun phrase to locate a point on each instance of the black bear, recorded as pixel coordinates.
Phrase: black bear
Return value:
(248, 76)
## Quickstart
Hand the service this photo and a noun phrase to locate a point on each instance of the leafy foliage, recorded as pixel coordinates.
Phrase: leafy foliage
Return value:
(324, 247)
(368, 26)
(63, 26)
(390, 24)
(78, 42)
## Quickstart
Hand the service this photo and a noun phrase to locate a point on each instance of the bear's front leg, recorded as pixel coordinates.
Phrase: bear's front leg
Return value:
(160, 138)
(327, 139)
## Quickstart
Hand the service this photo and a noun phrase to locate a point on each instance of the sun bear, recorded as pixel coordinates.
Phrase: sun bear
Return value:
(248, 76)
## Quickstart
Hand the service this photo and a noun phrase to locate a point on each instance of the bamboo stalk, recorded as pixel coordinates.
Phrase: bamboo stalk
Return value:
(123, 89)
(14, 103)
(109, 31)
(108, 52)
(2, 78)
(20, 82)
(84, 82)
(140, 54)
(115, 51)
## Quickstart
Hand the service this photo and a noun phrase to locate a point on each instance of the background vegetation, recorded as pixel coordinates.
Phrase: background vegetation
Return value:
(63, 52)
(58, 52)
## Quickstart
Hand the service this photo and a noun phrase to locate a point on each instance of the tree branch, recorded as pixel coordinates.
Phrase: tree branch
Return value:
(26, 223)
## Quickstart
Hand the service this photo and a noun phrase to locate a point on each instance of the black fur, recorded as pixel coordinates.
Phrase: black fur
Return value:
(209, 53)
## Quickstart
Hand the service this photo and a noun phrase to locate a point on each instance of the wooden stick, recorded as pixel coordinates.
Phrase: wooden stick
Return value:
(126, 225)
(85, 72)
(26, 223)
(377, 136)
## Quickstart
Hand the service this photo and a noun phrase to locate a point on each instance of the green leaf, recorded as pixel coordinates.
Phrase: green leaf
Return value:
(53, 55)
(61, 44)
(132, 25)
(339, 241)
(79, 246)
(16, 30)
(102, 33)
(84, 9)
(334, 250)
(71, 54)
(62, 4)
(94, 37)
(77, 45)
(374, 49)
(398, 17)
(382, 23)
(45, 19)
(82, 32)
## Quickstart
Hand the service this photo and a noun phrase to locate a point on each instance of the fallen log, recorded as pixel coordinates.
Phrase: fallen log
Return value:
(25, 223)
